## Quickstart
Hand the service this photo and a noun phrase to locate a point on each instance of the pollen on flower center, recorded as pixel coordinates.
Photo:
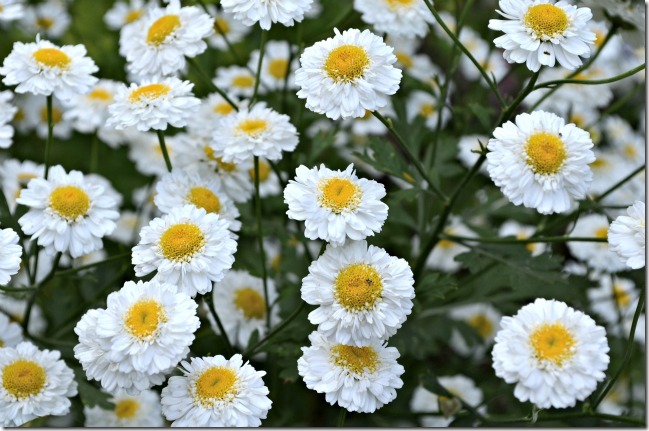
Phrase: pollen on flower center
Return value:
(70, 202)
(339, 194)
(204, 198)
(181, 242)
(250, 302)
(52, 57)
(144, 317)
(481, 324)
(243, 81)
(223, 108)
(162, 28)
(546, 21)
(23, 379)
(264, 172)
(148, 92)
(215, 384)
(355, 359)
(545, 153)
(358, 287)
(252, 126)
(553, 342)
(100, 94)
(126, 409)
(346, 63)
(278, 68)
(221, 26)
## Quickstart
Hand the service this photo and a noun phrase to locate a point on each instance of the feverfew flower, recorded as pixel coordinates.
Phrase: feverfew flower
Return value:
(128, 226)
(208, 117)
(141, 410)
(7, 112)
(44, 68)
(424, 401)
(153, 104)
(15, 309)
(269, 184)
(36, 117)
(348, 74)
(11, 333)
(613, 299)
(10, 253)
(515, 229)
(626, 236)
(406, 18)
(424, 104)
(11, 10)
(224, 23)
(275, 67)
(541, 162)
(49, 18)
(33, 383)
(67, 213)
(216, 392)
(596, 255)
(363, 293)
(483, 318)
(89, 112)
(238, 80)
(144, 150)
(538, 32)
(359, 379)
(442, 258)
(189, 248)
(335, 205)
(122, 13)
(267, 12)
(554, 354)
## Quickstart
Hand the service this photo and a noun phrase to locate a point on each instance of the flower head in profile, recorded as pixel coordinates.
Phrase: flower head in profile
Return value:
(626, 236)
(141, 410)
(267, 12)
(597, 255)
(10, 253)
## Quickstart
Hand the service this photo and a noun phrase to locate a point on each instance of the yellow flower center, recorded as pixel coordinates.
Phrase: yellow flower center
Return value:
(481, 324)
(447, 243)
(545, 152)
(264, 172)
(355, 359)
(339, 194)
(578, 120)
(553, 342)
(546, 21)
(600, 36)
(221, 26)
(223, 108)
(19, 116)
(181, 242)
(127, 408)
(203, 197)
(215, 384)
(252, 126)
(23, 379)
(133, 16)
(148, 92)
(250, 302)
(622, 297)
(393, 4)
(57, 115)
(530, 245)
(427, 110)
(44, 23)
(404, 59)
(100, 94)
(225, 166)
(243, 81)
(52, 57)
(69, 202)
(278, 68)
(599, 164)
(358, 287)
(162, 29)
(346, 63)
(144, 317)
(602, 232)
(630, 151)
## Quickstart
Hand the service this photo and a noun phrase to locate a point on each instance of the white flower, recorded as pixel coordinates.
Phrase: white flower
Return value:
(216, 392)
(15, 309)
(10, 253)
(153, 104)
(409, 18)
(11, 333)
(363, 293)
(418, 66)
(49, 18)
(484, 319)
(7, 112)
(208, 117)
(467, 145)
(348, 74)
(122, 13)
(188, 247)
(275, 67)
(269, 184)
(442, 258)
(145, 152)
(158, 43)
(259, 131)
(36, 117)
(359, 379)
(626, 236)
(596, 255)
(11, 10)
(33, 383)
(613, 298)
(240, 304)
(89, 112)
(424, 104)
(554, 354)
(67, 213)
(44, 68)
(541, 162)
(491, 61)
(267, 12)
(512, 228)
(538, 32)
(181, 188)
(142, 410)
(225, 23)
(424, 401)
(237, 80)
(335, 205)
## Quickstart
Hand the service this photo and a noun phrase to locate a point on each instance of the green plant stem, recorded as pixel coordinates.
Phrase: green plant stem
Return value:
(163, 148)
(509, 111)
(620, 183)
(403, 148)
(522, 240)
(260, 238)
(50, 129)
(552, 84)
(209, 300)
(39, 286)
(262, 46)
(92, 265)
(94, 154)
(17, 289)
(276, 330)
(341, 418)
(211, 84)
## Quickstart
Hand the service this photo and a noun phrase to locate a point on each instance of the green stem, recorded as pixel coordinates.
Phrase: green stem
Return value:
(39, 286)
(210, 304)
(17, 289)
(262, 46)
(341, 418)
(509, 111)
(260, 237)
(211, 84)
(522, 240)
(551, 84)
(620, 183)
(163, 147)
(50, 129)
(276, 330)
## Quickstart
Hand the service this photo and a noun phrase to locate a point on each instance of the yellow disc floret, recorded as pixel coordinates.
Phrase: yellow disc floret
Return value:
(553, 343)
(223, 108)
(243, 81)
(622, 297)
(346, 63)
(355, 359)
(162, 28)
(358, 287)
(545, 153)
(278, 68)
(482, 324)
(221, 26)
(148, 92)
(133, 16)
(57, 115)
(427, 110)
(100, 94)
(602, 232)
(250, 302)
(546, 21)
(215, 384)
(52, 57)
(203, 197)
(144, 318)
(339, 194)
(252, 126)
(398, 3)
(126, 408)
(181, 242)
(23, 379)
(70, 202)
(44, 23)
(404, 59)
(264, 172)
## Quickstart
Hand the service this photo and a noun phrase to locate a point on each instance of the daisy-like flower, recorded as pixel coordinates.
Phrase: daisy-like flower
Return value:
(442, 258)
(67, 213)
(238, 80)
(541, 162)
(613, 298)
(209, 115)
(596, 255)
(275, 67)
(122, 13)
(89, 112)
(145, 152)
(189, 248)
(11, 10)
(259, 131)
(554, 354)
(425, 401)
(11, 333)
(10, 253)
(15, 309)
(44, 68)
(224, 23)
(538, 33)
(363, 293)
(469, 148)
(267, 12)
(424, 104)
(335, 205)
(406, 18)
(359, 379)
(269, 184)
(153, 104)
(159, 42)
(181, 188)
(141, 410)
(418, 66)
(36, 117)
(49, 18)
(484, 319)
(7, 112)
(626, 236)
(216, 392)
(515, 229)
(347, 74)
(240, 304)
(33, 383)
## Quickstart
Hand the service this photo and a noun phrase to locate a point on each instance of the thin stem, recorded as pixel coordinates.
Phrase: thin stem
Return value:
(210, 304)
(620, 183)
(91, 265)
(262, 45)
(32, 299)
(94, 154)
(163, 147)
(341, 418)
(523, 240)
(210, 83)
(506, 115)
(50, 129)
(276, 330)
(260, 238)
(551, 84)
